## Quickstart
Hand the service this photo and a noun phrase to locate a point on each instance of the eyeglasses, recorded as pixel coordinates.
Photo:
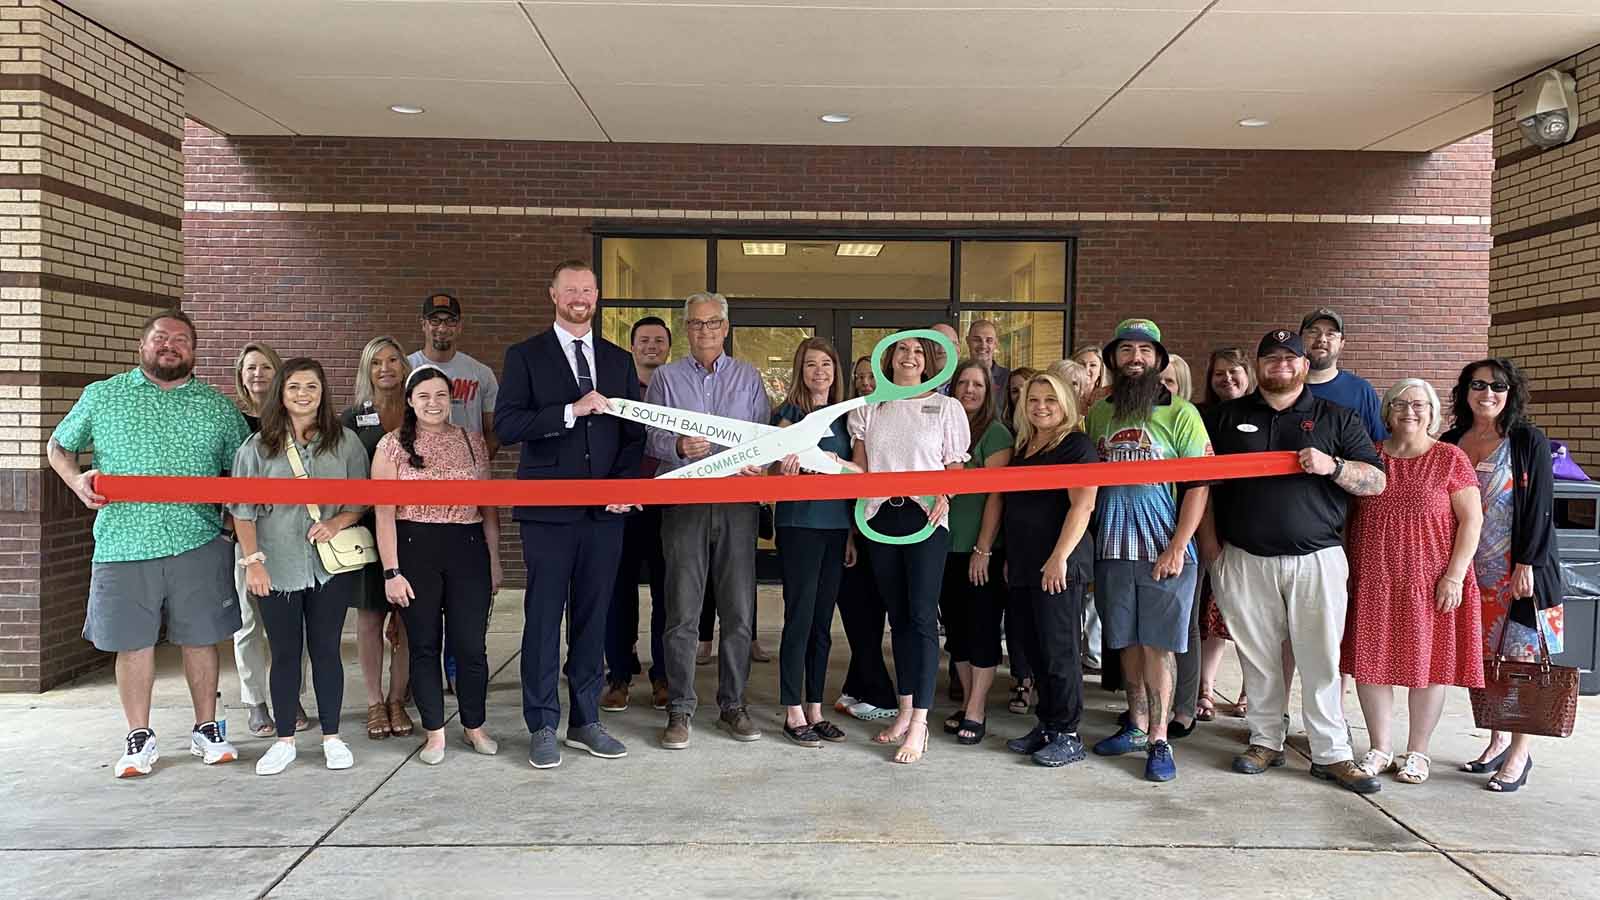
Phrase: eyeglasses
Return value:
(1499, 387)
(443, 321)
(158, 339)
(1416, 406)
(705, 324)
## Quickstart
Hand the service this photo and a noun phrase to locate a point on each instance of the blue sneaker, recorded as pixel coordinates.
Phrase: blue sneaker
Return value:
(1126, 740)
(1066, 748)
(1159, 765)
(1030, 743)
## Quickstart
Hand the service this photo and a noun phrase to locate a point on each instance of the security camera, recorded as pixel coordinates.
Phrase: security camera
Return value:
(1548, 113)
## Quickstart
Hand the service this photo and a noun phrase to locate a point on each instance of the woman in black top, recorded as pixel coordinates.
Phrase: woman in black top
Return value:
(1049, 564)
(380, 408)
(1517, 564)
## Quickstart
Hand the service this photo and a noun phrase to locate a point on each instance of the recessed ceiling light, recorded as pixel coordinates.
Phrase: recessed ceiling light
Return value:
(405, 109)
(1253, 122)
(858, 250)
(835, 118)
(765, 248)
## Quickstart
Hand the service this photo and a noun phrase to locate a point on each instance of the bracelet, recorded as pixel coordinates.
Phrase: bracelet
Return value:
(982, 552)
(256, 557)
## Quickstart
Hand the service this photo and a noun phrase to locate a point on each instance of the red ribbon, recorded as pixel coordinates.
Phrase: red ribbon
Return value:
(660, 492)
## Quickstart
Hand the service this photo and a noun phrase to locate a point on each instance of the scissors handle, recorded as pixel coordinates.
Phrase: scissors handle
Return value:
(888, 390)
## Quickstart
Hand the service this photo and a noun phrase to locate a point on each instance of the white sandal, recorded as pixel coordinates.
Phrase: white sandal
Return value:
(1415, 768)
(1376, 762)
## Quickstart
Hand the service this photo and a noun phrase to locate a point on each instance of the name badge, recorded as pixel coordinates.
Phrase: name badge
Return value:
(931, 410)
(366, 420)
(1247, 428)
(1485, 466)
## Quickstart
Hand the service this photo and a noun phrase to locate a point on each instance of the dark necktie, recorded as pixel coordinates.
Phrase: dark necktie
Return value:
(585, 378)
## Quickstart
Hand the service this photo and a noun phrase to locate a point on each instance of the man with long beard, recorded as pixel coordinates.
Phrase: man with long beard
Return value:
(1146, 566)
(156, 562)
(1278, 565)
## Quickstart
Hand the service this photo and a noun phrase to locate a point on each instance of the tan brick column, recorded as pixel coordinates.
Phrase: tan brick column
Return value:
(91, 200)
(1544, 275)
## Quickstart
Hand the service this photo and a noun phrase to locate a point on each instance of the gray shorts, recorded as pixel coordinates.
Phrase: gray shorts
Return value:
(193, 590)
(1136, 609)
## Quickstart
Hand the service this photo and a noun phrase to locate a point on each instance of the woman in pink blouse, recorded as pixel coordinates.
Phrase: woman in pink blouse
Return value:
(927, 432)
(441, 564)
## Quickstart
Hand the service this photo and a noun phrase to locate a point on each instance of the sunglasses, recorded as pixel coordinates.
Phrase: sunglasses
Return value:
(1499, 387)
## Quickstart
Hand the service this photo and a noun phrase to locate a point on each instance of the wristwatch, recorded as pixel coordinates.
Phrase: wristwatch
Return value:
(390, 573)
(1338, 466)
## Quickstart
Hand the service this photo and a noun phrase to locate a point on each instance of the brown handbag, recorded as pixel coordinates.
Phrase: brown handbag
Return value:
(1526, 697)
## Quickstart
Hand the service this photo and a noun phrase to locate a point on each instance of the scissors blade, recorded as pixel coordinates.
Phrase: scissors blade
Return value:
(719, 430)
(799, 438)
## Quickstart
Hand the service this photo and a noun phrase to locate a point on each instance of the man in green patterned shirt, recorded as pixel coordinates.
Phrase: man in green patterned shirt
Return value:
(155, 561)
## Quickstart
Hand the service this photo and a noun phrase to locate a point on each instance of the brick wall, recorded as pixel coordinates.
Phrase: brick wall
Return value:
(316, 244)
(1544, 282)
(91, 199)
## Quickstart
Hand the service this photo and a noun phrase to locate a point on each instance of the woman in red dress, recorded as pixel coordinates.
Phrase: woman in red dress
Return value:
(1414, 617)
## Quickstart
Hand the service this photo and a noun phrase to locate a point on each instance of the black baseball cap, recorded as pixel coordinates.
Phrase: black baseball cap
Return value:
(1281, 339)
(1323, 313)
(441, 302)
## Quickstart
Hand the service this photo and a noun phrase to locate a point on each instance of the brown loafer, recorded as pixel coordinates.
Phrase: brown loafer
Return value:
(378, 722)
(736, 722)
(400, 724)
(614, 698)
(1349, 776)
(1257, 759)
(659, 694)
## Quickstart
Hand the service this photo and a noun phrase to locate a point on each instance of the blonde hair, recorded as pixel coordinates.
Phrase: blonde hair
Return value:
(365, 392)
(242, 395)
(1180, 374)
(1405, 384)
(1105, 371)
(1064, 396)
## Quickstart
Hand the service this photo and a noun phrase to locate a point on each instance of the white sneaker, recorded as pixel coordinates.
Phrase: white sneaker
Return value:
(276, 759)
(337, 754)
(141, 756)
(208, 743)
(844, 703)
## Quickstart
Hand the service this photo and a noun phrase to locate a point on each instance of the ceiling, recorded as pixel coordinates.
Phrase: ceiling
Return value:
(1326, 74)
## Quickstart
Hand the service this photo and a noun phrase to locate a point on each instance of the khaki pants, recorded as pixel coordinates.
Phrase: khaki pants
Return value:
(1269, 599)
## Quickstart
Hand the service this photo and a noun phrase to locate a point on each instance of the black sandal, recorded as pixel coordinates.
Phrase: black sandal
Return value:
(828, 731)
(952, 722)
(1019, 699)
(971, 732)
(805, 735)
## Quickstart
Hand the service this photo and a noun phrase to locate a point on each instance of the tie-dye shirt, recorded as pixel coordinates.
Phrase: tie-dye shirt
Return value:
(1136, 521)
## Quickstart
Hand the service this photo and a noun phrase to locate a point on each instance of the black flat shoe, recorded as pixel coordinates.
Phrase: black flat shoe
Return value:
(952, 722)
(974, 732)
(1176, 731)
(1493, 765)
(805, 736)
(1510, 787)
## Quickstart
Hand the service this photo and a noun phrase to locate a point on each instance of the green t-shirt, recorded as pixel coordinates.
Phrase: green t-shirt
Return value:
(1136, 521)
(136, 428)
(966, 510)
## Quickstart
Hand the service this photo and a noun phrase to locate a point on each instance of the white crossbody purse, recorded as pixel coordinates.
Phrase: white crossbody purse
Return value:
(352, 548)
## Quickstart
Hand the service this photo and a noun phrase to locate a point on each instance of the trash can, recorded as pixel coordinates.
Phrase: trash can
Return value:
(1577, 519)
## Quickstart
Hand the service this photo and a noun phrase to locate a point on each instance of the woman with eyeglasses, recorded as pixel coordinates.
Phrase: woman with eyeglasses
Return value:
(1517, 567)
(1413, 619)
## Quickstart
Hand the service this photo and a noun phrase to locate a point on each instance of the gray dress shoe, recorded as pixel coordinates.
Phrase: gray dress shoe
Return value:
(594, 739)
(543, 751)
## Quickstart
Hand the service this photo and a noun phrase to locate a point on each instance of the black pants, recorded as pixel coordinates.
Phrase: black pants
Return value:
(972, 613)
(641, 546)
(448, 568)
(908, 577)
(708, 617)
(309, 621)
(1110, 660)
(862, 612)
(813, 564)
(1052, 626)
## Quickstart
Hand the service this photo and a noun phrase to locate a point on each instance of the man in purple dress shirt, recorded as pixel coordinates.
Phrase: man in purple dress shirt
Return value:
(715, 541)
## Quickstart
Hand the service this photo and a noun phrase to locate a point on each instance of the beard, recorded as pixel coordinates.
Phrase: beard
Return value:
(1323, 364)
(1275, 384)
(575, 317)
(1133, 396)
(442, 344)
(153, 368)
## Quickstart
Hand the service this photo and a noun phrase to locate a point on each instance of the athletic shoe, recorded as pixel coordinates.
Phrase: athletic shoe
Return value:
(1126, 740)
(1064, 749)
(1030, 743)
(337, 753)
(207, 742)
(543, 751)
(141, 756)
(276, 759)
(593, 739)
(1159, 764)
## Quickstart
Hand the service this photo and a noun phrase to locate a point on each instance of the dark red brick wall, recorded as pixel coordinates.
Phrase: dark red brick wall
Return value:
(323, 283)
(44, 582)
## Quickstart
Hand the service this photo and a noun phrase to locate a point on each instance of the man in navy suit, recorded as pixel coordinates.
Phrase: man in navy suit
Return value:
(552, 399)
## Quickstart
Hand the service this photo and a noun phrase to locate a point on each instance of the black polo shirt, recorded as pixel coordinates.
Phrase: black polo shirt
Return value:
(1286, 515)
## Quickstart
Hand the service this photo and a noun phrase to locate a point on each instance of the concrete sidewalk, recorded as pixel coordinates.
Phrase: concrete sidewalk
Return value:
(725, 819)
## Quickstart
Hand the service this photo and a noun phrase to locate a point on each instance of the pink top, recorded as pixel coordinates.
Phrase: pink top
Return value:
(922, 434)
(452, 454)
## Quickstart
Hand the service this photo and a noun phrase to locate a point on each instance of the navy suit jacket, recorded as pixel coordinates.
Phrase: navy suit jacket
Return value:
(534, 391)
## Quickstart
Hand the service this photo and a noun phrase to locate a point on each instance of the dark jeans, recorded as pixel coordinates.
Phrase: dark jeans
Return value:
(309, 621)
(572, 567)
(641, 546)
(972, 613)
(715, 544)
(908, 577)
(813, 564)
(862, 612)
(448, 569)
(1052, 626)
(708, 616)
